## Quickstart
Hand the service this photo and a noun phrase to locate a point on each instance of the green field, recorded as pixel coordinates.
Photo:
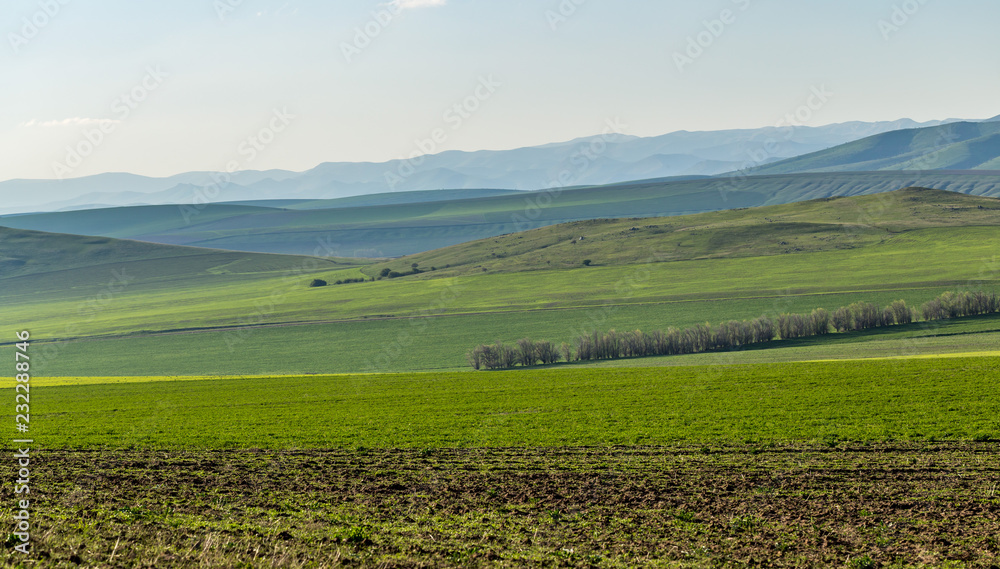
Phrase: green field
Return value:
(875, 400)
(196, 407)
(187, 311)
(689, 466)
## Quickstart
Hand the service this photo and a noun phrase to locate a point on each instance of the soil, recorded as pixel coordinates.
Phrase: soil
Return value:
(884, 505)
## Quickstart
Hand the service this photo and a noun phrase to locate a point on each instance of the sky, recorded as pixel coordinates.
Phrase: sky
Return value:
(160, 88)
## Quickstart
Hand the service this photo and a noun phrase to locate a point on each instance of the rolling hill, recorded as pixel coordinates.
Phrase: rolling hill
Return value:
(36, 264)
(386, 225)
(196, 311)
(954, 146)
(826, 224)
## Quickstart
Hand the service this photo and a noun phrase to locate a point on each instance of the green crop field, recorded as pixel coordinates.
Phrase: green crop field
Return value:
(670, 467)
(874, 400)
(198, 407)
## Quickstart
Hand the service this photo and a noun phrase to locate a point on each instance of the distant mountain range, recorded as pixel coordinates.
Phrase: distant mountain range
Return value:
(953, 146)
(583, 162)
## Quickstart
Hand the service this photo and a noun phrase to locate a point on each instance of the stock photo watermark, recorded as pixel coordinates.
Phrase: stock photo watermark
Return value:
(32, 26)
(562, 13)
(248, 149)
(391, 351)
(454, 117)
(224, 8)
(819, 97)
(900, 16)
(91, 138)
(87, 311)
(580, 162)
(291, 281)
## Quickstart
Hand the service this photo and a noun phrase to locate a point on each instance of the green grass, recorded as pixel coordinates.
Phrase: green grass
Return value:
(949, 398)
(931, 260)
(254, 313)
(391, 229)
(440, 343)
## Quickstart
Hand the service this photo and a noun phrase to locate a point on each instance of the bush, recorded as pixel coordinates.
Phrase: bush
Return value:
(317, 282)
(586, 262)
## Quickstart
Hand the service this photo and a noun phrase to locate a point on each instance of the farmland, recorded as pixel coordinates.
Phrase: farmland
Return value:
(220, 312)
(854, 505)
(871, 400)
(203, 407)
(274, 324)
(833, 463)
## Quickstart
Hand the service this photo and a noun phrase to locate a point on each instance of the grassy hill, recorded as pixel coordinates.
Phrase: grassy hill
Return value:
(360, 227)
(955, 146)
(37, 268)
(802, 227)
(197, 311)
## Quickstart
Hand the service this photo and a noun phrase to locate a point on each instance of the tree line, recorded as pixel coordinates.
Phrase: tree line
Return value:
(729, 335)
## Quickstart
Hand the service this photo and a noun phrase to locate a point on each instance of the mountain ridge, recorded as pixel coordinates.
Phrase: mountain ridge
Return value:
(591, 160)
(961, 145)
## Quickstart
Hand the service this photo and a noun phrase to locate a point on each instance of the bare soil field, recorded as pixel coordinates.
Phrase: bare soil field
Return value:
(845, 504)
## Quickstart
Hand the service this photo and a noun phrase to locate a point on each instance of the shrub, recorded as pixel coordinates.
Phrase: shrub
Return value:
(317, 282)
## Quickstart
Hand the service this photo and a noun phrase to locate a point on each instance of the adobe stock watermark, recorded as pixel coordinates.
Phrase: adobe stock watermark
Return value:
(900, 16)
(365, 35)
(122, 107)
(819, 96)
(926, 162)
(580, 162)
(454, 117)
(391, 351)
(562, 13)
(291, 281)
(248, 149)
(33, 25)
(699, 43)
(625, 289)
(225, 7)
(86, 311)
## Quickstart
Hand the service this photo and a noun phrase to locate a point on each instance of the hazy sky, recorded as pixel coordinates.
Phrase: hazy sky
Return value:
(159, 88)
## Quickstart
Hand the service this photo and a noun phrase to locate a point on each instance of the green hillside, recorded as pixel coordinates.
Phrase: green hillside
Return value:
(39, 267)
(811, 226)
(955, 146)
(194, 311)
(357, 227)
